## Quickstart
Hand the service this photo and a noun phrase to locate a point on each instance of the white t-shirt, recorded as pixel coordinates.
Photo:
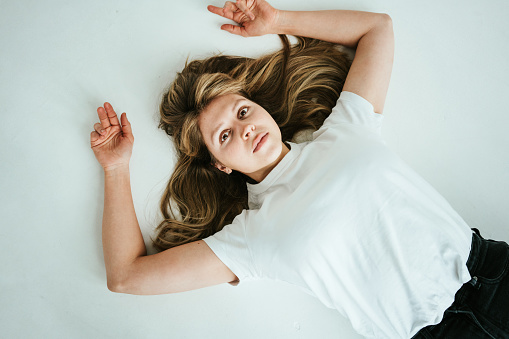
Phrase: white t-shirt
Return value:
(346, 220)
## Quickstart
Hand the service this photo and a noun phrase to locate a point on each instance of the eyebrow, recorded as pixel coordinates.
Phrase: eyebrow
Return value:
(215, 130)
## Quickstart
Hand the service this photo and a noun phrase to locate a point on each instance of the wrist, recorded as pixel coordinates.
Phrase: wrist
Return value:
(283, 22)
(116, 169)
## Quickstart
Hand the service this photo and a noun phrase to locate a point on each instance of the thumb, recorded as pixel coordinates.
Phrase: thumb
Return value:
(126, 127)
(237, 30)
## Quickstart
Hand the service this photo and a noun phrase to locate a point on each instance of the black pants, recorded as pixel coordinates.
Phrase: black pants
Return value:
(481, 306)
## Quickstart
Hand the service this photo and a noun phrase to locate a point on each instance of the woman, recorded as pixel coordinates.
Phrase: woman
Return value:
(339, 215)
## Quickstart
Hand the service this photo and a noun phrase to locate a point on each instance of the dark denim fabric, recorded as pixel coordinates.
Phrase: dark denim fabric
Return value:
(481, 306)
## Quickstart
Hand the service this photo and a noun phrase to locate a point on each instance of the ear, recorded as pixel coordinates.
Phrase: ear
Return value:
(222, 168)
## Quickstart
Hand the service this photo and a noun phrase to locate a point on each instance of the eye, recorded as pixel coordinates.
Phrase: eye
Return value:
(224, 136)
(242, 112)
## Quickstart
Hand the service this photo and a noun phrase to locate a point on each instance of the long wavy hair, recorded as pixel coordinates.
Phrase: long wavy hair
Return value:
(298, 85)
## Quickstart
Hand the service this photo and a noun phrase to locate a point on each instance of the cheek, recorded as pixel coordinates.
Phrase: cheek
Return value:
(227, 155)
(235, 151)
(238, 158)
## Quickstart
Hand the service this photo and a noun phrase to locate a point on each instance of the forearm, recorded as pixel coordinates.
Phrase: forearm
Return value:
(121, 234)
(337, 26)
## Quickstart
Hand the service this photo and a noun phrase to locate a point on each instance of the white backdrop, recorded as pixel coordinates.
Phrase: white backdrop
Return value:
(446, 115)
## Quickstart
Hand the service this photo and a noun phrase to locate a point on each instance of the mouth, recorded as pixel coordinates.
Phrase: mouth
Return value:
(259, 141)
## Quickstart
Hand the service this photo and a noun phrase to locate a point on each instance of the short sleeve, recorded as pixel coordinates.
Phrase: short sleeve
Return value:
(230, 246)
(354, 109)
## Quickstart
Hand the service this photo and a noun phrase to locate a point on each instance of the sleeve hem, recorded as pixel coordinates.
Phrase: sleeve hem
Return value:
(358, 100)
(219, 251)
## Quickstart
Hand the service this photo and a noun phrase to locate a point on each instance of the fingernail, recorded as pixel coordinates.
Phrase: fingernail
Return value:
(102, 131)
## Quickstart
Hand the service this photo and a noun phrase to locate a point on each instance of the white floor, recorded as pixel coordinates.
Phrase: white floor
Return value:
(446, 115)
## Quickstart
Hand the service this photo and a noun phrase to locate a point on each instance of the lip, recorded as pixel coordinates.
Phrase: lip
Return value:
(259, 141)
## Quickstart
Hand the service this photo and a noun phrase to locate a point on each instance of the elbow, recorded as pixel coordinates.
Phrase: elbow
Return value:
(124, 284)
(381, 25)
(115, 286)
(385, 20)
(118, 282)
(123, 280)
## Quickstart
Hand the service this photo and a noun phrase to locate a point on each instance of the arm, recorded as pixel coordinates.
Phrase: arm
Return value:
(178, 269)
(121, 234)
(370, 33)
(122, 240)
(128, 268)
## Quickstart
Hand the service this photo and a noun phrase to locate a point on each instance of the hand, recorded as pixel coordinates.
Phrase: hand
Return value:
(255, 17)
(111, 142)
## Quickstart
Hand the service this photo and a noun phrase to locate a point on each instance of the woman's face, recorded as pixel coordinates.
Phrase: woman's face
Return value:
(242, 136)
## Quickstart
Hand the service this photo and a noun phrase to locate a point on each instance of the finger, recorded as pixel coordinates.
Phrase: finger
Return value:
(215, 10)
(111, 114)
(126, 127)
(237, 30)
(103, 117)
(242, 5)
(229, 9)
(94, 136)
(99, 129)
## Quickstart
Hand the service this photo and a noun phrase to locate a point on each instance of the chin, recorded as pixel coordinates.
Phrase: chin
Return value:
(274, 152)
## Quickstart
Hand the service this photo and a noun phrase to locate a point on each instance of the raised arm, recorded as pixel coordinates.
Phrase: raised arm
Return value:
(112, 144)
(370, 33)
(128, 268)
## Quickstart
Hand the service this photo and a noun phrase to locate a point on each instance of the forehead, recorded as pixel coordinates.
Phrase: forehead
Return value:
(218, 110)
(217, 107)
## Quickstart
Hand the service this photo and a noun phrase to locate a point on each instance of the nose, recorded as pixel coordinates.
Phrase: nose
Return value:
(248, 129)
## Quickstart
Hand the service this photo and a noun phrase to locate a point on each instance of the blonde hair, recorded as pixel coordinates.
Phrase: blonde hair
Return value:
(298, 85)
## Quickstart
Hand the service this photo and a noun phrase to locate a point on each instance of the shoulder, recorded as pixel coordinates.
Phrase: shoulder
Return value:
(353, 109)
